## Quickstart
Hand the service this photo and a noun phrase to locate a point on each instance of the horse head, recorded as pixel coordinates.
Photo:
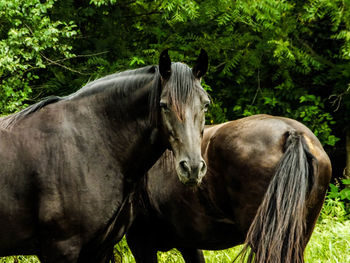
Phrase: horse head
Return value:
(183, 103)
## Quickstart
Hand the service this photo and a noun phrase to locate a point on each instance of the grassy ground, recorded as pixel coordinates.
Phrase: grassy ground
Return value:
(330, 243)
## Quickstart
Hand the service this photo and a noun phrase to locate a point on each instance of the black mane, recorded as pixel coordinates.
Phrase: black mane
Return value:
(124, 82)
(181, 90)
(145, 75)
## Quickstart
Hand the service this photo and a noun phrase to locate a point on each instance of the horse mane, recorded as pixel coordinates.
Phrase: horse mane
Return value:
(90, 88)
(125, 80)
(182, 90)
(180, 83)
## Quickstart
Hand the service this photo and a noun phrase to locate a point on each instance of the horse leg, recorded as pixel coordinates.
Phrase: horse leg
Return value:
(192, 255)
(143, 254)
(141, 248)
(62, 251)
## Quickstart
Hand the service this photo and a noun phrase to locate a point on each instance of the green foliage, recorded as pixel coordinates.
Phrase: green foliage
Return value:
(268, 56)
(288, 60)
(330, 242)
(334, 208)
(19, 259)
(337, 205)
(122, 253)
(30, 40)
(343, 194)
(216, 113)
(311, 111)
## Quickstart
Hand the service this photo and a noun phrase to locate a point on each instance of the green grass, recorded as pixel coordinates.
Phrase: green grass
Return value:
(19, 259)
(330, 243)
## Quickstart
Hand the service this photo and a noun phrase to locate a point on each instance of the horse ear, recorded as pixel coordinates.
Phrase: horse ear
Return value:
(165, 64)
(201, 66)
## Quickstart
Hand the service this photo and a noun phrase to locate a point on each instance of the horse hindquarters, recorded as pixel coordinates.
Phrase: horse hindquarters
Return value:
(283, 225)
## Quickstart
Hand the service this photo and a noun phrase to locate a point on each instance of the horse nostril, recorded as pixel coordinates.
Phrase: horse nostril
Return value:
(203, 167)
(184, 166)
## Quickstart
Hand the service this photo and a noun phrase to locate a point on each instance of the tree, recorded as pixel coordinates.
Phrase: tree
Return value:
(267, 56)
(30, 41)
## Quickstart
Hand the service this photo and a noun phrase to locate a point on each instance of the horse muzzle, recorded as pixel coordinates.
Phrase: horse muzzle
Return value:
(190, 172)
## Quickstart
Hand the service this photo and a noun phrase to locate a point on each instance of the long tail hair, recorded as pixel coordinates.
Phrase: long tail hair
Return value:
(278, 231)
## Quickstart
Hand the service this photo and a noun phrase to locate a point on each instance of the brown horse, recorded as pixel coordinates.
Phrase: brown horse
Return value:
(266, 182)
(68, 166)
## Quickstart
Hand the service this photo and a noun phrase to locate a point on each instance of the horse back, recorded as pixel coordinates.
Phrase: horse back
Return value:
(243, 155)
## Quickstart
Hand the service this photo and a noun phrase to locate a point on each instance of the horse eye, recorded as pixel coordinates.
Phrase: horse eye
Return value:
(163, 105)
(206, 106)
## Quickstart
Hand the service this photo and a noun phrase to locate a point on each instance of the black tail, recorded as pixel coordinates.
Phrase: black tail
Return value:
(277, 233)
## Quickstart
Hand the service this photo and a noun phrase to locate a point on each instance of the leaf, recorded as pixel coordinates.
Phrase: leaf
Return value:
(346, 181)
(334, 189)
(345, 194)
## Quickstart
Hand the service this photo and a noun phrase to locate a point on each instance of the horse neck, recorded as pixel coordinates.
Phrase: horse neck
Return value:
(136, 139)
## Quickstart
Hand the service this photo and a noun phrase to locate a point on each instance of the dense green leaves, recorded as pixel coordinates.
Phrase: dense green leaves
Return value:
(30, 40)
(343, 194)
(268, 56)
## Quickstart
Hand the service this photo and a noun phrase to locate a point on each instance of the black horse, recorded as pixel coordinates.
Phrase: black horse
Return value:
(69, 165)
(266, 181)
